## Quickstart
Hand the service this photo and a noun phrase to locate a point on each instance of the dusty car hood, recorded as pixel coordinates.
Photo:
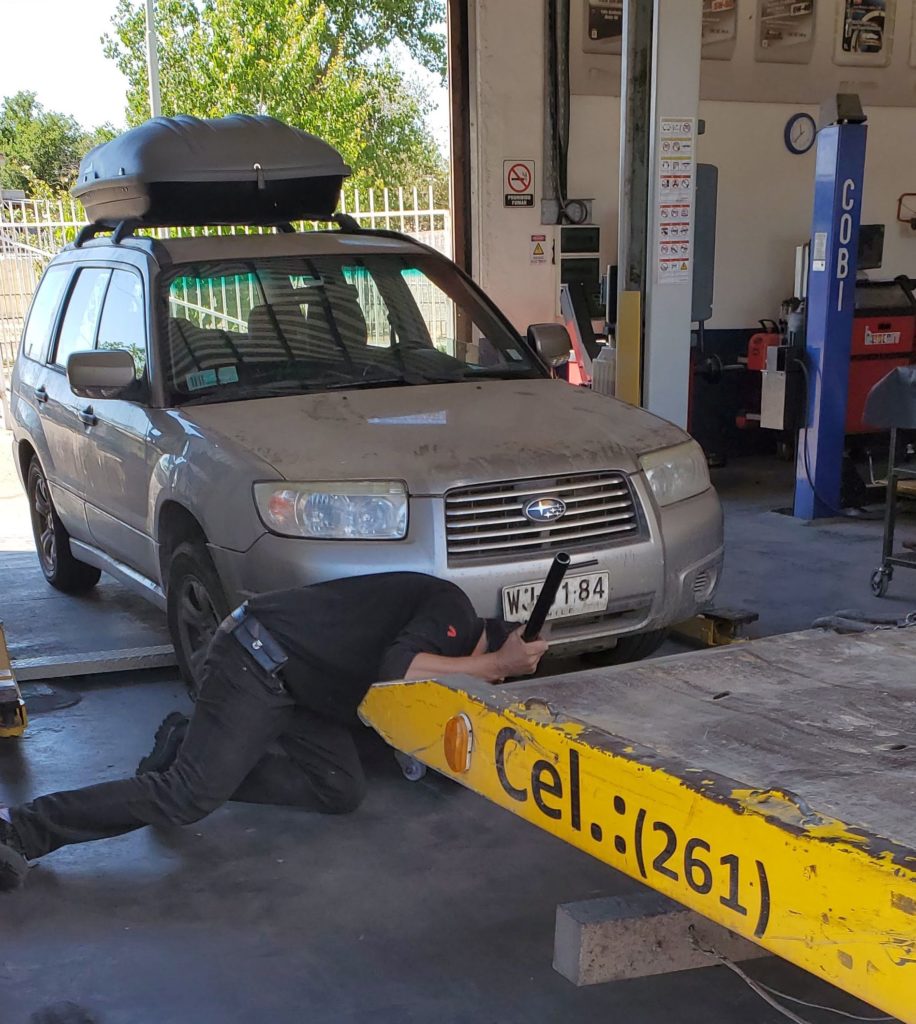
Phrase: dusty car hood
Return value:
(438, 436)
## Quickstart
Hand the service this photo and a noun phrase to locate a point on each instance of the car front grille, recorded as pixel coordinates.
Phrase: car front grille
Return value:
(487, 521)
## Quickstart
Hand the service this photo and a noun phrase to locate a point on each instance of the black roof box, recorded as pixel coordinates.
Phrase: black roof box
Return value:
(185, 171)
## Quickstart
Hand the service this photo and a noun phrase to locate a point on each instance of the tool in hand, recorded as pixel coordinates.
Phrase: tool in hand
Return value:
(546, 597)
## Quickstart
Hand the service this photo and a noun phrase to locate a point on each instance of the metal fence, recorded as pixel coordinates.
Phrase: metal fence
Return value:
(33, 230)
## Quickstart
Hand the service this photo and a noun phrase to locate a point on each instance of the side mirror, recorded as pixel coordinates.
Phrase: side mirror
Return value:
(551, 342)
(100, 374)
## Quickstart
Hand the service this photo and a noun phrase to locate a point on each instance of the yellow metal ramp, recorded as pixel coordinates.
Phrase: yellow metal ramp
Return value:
(770, 786)
(13, 717)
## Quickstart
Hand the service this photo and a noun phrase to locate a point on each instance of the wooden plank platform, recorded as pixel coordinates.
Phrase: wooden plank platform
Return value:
(769, 785)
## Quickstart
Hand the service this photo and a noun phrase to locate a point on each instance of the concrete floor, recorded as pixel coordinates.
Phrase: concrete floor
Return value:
(42, 622)
(427, 905)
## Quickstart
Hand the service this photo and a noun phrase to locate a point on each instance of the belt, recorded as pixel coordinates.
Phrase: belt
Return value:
(255, 638)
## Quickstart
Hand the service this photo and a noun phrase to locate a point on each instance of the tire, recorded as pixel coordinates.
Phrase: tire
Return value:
(195, 604)
(52, 542)
(628, 648)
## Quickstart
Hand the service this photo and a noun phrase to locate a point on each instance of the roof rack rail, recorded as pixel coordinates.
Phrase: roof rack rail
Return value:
(345, 222)
(88, 231)
(118, 233)
(125, 228)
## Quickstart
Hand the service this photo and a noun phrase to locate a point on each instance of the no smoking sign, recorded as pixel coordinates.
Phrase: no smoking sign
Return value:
(518, 183)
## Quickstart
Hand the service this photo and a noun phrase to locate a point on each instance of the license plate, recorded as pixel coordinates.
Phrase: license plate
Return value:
(578, 595)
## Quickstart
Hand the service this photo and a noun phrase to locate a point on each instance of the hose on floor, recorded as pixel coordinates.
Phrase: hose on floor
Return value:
(851, 620)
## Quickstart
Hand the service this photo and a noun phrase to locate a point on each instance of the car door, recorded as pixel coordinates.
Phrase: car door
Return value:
(117, 460)
(63, 429)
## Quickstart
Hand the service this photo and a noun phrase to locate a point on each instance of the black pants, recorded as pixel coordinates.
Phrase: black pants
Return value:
(240, 712)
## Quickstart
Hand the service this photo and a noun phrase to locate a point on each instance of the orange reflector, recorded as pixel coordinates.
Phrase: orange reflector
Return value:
(458, 743)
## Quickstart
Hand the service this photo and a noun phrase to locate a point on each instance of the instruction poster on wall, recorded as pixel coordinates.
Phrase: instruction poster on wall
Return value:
(865, 31)
(720, 29)
(785, 30)
(675, 186)
(603, 26)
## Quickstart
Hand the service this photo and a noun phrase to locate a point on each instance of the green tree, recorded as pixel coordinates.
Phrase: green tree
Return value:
(42, 147)
(327, 67)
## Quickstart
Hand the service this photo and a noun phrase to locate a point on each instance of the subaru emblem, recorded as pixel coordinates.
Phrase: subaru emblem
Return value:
(544, 510)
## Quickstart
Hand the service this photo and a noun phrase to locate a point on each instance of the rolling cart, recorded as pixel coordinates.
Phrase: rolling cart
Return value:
(892, 404)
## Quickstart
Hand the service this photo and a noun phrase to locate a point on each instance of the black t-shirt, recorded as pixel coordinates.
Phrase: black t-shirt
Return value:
(344, 635)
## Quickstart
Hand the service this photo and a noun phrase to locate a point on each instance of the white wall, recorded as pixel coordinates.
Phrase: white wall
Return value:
(507, 95)
(765, 193)
(765, 197)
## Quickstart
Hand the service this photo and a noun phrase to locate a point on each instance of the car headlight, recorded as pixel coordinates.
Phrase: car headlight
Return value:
(676, 473)
(361, 510)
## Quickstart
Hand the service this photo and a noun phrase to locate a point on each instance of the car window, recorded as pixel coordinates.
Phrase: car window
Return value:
(77, 330)
(43, 310)
(296, 324)
(122, 325)
(437, 309)
(365, 292)
(215, 301)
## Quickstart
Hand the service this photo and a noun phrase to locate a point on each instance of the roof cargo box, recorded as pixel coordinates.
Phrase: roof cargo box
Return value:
(184, 171)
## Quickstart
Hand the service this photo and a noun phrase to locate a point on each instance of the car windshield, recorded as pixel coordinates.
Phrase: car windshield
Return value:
(293, 325)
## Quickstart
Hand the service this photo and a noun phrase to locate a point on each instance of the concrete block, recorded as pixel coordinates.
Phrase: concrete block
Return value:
(618, 937)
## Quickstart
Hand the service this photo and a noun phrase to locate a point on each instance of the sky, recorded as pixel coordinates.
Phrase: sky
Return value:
(63, 62)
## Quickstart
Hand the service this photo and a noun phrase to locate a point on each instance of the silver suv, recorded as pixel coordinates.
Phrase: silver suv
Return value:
(206, 418)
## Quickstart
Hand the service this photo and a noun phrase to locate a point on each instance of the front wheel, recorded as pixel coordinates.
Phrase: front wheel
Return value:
(52, 542)
(195, 604)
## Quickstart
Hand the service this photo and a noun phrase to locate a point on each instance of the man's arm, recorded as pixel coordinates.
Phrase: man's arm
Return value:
(514, 658)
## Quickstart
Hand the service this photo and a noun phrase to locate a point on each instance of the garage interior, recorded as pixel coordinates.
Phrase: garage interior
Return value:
(432, 903)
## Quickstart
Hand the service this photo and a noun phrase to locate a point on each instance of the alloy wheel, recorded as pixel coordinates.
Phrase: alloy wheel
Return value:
(197, 622)
(43, 512)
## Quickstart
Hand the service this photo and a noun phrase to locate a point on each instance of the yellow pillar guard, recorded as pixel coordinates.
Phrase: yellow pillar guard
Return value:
(13, 716)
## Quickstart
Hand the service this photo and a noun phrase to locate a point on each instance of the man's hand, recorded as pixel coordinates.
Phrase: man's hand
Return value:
(517, 658)
(514, 658)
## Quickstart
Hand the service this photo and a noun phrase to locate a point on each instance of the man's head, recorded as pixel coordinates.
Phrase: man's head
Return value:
(493, 634)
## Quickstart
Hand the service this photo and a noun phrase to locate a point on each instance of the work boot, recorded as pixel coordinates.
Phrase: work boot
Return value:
(169, 737)
(13, 865)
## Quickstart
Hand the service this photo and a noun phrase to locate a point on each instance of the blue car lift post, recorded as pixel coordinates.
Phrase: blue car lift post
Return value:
(839, 177)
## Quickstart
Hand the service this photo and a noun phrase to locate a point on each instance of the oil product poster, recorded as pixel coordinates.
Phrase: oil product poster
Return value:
(864, 32)
(785, 30)
(720, 29)
(675, 188)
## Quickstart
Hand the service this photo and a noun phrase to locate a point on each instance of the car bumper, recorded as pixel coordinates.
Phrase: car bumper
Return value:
(656, 581)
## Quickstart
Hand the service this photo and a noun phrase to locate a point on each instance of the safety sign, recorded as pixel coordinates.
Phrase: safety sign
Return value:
(518, 183)
(674, 200)
(538, 248)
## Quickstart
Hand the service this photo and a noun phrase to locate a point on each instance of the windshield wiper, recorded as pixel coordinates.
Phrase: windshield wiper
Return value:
(362, 383)
(230, 392)
(499, 373)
